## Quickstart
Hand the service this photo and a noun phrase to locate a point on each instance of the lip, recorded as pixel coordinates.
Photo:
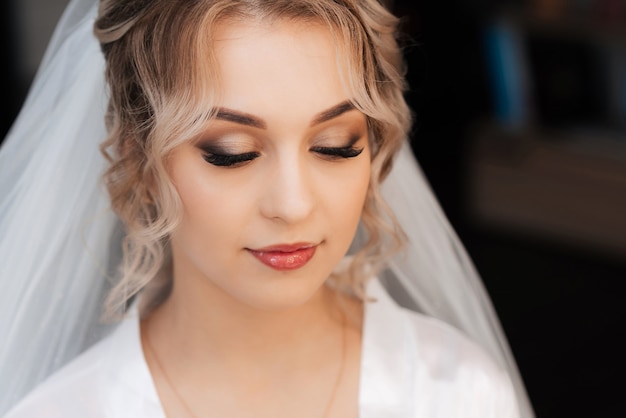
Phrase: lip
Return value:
(285, 256)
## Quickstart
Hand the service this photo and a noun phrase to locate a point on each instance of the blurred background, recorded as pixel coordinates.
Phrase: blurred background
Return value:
(520, 126)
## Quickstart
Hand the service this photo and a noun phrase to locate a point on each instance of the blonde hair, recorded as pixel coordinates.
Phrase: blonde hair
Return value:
(160, 97)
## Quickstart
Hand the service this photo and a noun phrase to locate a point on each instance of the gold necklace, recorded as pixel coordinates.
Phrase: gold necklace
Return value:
(188, 409)
(341, 366)
(171, 385)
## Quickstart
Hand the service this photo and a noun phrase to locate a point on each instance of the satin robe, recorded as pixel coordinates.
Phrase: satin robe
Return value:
(411, 366)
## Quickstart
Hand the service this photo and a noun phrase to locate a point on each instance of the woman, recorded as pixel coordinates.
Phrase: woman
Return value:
(246, 142)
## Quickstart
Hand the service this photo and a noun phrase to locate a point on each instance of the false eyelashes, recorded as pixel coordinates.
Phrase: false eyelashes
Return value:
(221, 158)
(229, 160)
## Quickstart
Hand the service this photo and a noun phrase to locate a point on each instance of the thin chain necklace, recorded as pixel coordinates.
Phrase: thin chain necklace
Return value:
(188, 409)
(171, 385)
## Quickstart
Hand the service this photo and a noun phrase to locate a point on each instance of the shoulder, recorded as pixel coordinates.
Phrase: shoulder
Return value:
(108, 380)
(458, 369)
(426, 368)
(441, 346)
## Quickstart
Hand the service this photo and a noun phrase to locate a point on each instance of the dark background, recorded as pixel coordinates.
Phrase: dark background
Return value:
(559, 298)
(557, 291)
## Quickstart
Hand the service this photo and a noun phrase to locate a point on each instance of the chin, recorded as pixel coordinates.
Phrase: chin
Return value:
(287, 290)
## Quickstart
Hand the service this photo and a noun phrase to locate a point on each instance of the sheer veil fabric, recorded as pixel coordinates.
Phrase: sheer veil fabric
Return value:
(59, 240)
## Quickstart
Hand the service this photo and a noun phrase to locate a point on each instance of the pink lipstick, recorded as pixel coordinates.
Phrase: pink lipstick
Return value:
(285, 256)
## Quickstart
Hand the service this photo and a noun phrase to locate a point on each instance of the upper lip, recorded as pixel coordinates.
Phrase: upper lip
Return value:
(284, 248)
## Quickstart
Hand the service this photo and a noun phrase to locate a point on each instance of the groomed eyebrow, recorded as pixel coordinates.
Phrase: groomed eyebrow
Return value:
(240, 118)
(332, 113)
(247, 119)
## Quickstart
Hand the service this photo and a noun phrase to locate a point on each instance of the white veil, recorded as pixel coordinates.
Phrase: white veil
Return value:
(58, 238)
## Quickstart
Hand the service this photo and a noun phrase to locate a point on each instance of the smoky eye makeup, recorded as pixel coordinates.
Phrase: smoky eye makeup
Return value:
(349, 150)
(225, 156)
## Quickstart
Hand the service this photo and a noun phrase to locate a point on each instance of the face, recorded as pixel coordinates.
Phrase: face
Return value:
(274, 188)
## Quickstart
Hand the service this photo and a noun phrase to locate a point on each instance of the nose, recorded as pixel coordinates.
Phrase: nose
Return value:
(289, 194)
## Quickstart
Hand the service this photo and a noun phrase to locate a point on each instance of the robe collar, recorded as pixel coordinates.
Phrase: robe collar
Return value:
(386, 381)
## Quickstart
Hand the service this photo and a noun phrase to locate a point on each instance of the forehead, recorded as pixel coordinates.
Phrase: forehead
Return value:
(286, 67)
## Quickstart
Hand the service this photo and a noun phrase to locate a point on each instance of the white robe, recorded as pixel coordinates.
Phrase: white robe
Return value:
(411, 366)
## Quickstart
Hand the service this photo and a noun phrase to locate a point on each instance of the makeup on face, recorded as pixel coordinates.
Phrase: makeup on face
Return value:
(226, 143)
(285, 256)
(273, 189)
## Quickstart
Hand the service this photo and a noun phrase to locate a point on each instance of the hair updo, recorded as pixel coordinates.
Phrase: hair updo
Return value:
(160, 97)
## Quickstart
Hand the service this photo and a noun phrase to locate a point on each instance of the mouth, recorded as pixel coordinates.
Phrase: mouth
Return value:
(285, 256)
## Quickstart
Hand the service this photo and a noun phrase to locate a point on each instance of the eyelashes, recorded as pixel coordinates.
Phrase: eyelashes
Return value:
(229, 160)
(335, 153)
(220, 158)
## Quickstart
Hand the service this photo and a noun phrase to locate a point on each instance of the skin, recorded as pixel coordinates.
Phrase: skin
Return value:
(236, 337)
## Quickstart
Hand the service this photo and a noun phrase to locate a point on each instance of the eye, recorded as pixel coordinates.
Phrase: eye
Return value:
(335, 153)
(229, 160)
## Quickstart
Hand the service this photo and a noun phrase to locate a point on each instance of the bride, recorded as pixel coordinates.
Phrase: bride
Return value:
(246, 144)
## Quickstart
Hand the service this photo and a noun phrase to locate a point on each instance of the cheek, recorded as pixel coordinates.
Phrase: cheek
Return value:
(347, 197)
(213, 211)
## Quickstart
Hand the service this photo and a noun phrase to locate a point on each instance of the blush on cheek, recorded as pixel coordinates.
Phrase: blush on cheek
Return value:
(288, 194)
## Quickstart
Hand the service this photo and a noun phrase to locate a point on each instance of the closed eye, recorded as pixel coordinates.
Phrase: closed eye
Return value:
(335, 153)
(229, 160)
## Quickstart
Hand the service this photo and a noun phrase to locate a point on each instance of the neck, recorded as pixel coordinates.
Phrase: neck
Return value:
(207, 324)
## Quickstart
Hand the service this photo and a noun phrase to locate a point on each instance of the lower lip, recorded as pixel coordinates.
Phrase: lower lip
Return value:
(285, 260)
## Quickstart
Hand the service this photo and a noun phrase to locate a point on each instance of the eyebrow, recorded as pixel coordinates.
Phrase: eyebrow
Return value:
(240, 118)
(332, 113)
(247, 119)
